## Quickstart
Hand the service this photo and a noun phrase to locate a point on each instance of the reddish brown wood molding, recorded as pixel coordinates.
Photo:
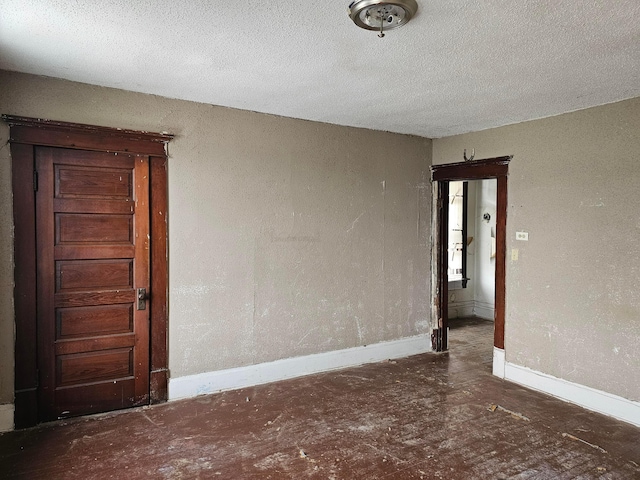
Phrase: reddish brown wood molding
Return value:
(474, 170)
(25, 134)
(36, 131)
(443, 286)
(159, 280)
(26, 367)
(501, 259)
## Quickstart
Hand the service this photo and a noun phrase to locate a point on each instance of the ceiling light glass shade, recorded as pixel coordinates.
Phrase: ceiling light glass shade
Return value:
(374, 14)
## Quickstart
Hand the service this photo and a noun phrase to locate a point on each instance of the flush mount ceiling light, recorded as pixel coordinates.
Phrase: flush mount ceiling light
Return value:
(382, 15)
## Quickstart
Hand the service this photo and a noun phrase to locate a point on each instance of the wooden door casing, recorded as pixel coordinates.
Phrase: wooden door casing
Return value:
(497, 168)
(26, 135)
(92, 224)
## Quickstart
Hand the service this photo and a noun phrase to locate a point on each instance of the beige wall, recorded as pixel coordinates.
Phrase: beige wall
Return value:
(290, 237)
(485, 265)
(287, 237)
(573, 297)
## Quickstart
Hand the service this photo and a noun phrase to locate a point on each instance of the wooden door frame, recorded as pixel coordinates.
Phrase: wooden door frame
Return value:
(485, 169)
(24, 135)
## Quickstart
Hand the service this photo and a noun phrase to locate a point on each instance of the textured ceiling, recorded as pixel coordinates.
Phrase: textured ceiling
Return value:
(456, 67)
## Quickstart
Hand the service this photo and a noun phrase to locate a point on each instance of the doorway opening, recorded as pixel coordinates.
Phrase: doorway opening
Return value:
(493, 169)
(471, 254)
(471, 268)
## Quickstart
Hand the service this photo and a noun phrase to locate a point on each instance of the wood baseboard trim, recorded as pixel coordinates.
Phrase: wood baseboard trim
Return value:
(158, 386)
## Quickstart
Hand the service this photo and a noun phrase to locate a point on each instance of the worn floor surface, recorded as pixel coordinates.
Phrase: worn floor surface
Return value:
(427, 416)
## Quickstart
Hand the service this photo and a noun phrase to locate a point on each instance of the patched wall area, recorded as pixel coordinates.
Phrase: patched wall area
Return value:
(573, 303)
(286, 237)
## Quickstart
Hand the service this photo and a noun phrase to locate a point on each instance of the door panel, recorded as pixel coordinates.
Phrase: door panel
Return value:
(93, 228)
(83, 182)
(86, 367)
(92, 221)
(81, 322)
(76, 275)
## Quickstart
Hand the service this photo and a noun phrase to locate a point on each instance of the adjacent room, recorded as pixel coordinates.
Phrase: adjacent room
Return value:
(377, 239)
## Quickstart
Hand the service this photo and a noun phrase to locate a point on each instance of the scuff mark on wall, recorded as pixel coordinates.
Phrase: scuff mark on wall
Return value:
(597, 204)
(307, 334)
(419, 210)
(353, 224)
(360, 335)
(192, 290)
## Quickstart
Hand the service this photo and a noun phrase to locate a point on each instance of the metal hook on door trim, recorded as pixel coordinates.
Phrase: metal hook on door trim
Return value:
(473, 154)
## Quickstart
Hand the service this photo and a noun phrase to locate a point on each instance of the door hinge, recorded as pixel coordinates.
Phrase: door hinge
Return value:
(35, 181)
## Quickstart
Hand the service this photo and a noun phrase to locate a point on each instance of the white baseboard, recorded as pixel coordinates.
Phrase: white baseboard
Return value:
(587, 397)
(498, 362)
(6, 417)
(241, 377)
(468, 308)
(483, 310)
(460, 309)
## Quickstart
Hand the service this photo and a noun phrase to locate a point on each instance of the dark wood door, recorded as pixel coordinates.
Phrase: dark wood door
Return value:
(92, 230)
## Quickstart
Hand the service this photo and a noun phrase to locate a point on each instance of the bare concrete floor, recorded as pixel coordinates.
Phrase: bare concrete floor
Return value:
(427, 416)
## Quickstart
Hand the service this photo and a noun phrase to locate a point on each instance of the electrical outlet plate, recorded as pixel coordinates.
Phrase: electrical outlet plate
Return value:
(524, 236)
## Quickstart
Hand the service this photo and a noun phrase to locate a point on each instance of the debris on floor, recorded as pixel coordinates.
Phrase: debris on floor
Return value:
(426, 426)
(305, 455)
(573, 437)
(517, 415)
